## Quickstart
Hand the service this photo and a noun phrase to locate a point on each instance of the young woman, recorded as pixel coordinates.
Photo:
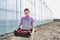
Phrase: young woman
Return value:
(26, 21)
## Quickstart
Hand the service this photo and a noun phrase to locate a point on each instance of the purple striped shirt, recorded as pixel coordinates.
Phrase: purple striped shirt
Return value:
(27, 23)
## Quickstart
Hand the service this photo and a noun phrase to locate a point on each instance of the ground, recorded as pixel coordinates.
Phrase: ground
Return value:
(50, 31)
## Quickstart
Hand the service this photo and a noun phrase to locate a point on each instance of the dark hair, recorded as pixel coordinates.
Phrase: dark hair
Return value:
(26, 9)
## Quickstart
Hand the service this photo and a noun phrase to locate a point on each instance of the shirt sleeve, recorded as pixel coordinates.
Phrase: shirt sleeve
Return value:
(21, 20)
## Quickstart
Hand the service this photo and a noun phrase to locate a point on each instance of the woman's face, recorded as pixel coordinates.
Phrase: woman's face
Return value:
(27, 13)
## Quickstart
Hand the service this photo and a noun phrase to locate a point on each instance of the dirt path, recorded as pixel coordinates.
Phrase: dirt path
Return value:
(50, 31)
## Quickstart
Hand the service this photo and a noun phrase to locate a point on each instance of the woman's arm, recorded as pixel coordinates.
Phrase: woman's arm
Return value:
(20, 24)
(32, 26)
